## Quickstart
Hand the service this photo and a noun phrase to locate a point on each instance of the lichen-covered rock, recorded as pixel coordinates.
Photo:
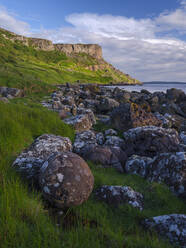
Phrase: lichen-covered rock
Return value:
(171, 170)
(79, 122)
(176, 95)
(29, 162)
(149, 141)
(138, 165)
(111, 132)
(87, 112)
(100, 138)
(183, 137)
(171, 227)
(10, 92)
(84, 139)
(66, 180)
(114, 141)
(131, 115)
(116, 195)
(107, 104)
(105, 156)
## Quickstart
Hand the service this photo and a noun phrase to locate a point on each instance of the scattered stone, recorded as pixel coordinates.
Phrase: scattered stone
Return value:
(138, 165)
(183, 137)
(114, 141)
(117, 195)
(79, 122)
(149, 141)
(100, 138)
(111, 132)
(170, 169)
(84, 139)
(105, 156)
(171, 227)
(107, 104)
(29, 162)
(66, 180)
(128, 116)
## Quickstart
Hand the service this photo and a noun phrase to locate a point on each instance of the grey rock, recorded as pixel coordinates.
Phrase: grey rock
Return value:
(171, 227)
(79, 122)
(111, 132)
(150, 140)
(116, 195)
(29, 162)
(138, 165)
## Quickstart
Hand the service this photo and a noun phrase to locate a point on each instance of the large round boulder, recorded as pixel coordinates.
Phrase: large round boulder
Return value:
(66, 180)
(149, 141)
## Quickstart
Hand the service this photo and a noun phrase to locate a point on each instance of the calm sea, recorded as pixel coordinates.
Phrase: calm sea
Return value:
(152, 87)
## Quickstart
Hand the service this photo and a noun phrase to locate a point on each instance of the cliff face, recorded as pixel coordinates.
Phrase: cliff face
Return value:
(93, 50)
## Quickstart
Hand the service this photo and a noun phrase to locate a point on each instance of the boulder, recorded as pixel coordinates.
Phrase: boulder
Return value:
(66, 180)
(138, 165)
(114, 141)
(183, 137)
(84, 139)
(117, 195)
(111, 132)
(79, 122)
(170, 169)
(87, 112)
(100, 139)
(29, 162)
(149, 141)
(107, 104)
(171, 227)
(106, 156)
(176, 95)
(131, 115)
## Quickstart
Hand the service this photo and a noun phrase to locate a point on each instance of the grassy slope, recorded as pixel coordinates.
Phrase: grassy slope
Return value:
(30, 69)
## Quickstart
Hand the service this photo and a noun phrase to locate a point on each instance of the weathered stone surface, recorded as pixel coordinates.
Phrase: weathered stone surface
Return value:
(149, 141)
(105, 156)
(10, 92)
(176, 95)
(171, 227)
(87, 112)
(66, 180)
(171, 170)
(30, 160)
(79, 122)
(107, 104)
(114, 141)
(100, 138)
(116, 195)
(111, 132)
(84, 139)
(138, 165)
(128, 116)
(4, 99)
(183, 137)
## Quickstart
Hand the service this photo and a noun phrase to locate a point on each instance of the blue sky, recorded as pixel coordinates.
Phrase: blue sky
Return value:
(144, 38)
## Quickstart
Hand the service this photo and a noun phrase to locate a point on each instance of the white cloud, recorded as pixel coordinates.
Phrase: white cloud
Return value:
(136, 46)
(9, 22)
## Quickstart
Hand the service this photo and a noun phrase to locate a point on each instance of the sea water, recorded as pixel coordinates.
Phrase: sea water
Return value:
(152, 87)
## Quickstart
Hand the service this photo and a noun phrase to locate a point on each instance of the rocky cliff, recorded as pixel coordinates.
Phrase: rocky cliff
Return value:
(93, 50)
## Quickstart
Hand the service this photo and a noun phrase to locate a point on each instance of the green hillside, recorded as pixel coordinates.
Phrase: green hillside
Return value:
(32, 70)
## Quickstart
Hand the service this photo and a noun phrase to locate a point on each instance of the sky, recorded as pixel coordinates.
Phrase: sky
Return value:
(144, 38)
